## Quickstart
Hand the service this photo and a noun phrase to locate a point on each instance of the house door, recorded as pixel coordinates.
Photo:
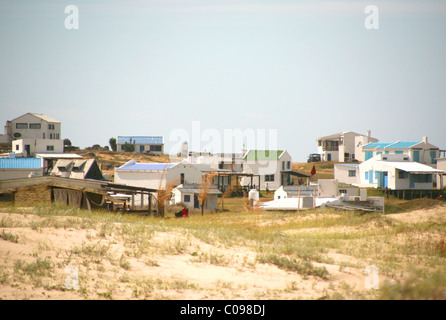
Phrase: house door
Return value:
(329, 157)
(412, 181)
(196, 203)
(28, 150)
(141, 148)
(385, 178)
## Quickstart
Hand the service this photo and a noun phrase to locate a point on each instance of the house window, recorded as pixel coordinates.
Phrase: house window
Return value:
(187, 198)
(34, 126)
(44, 135)
(17, 147)
(423, 178)
(288, 164)
(21, 126)
(155, 148)
(49, 148)
(269, 177)
(51, 126)
(398, 152)
(402, 174)
(352, 173)
(51, 136)
(182, 178)
(283, 165)
(367, 175)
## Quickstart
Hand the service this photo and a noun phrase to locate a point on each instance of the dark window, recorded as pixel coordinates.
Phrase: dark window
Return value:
(182, 178)
(34, 126)
(21, 126)
(49, 148)
(187, 198)
(155, 148)
(269, 177)
(351, 173)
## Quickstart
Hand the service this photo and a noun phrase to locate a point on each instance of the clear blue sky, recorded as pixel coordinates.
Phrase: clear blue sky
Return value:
(304, 68)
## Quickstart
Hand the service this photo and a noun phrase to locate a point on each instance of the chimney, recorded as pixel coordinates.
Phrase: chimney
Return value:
(425, 139)
(369, 133)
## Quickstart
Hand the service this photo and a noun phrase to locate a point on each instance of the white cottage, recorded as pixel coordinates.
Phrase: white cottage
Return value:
(397, 172)
(189, 196)
(273, 167)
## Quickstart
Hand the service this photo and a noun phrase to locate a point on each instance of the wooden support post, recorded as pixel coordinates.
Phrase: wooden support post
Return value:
(298, 200)
(150, 204)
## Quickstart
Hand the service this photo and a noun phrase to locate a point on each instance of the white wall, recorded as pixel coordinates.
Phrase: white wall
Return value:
(35, 133)
(37, 146)
(192, 174)
(6, 174)
(266, 167)
(341, 173)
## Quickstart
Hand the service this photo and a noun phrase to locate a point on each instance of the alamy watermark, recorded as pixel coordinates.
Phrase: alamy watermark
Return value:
(72, 20)
(212, 141)
(72, 281)
(372, 280)
(371, 22)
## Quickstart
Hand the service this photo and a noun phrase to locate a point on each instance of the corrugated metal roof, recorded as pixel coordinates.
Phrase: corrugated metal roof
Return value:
(20, 163)
(392, 145)
(402, 144)
(377, 145)
(140, 139)
(147, 167)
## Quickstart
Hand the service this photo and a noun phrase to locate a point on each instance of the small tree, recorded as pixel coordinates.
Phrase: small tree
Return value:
(67, 142)
(129, 147)
(113, 144)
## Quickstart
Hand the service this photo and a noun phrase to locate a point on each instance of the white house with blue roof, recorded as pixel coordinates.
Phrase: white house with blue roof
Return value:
(416, 151)
(396, 172)
(152, 144)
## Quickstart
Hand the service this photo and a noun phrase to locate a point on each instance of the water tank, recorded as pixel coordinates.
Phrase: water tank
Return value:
(253, 195)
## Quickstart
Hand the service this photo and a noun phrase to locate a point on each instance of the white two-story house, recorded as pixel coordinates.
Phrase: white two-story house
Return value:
(273, 167)
(344, 146)
(34, 133)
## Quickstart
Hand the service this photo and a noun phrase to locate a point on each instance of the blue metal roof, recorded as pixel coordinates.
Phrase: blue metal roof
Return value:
(402, 144)
(377, 145)
(20, 163)
(391, 145)
(140, 139)
(147, 166)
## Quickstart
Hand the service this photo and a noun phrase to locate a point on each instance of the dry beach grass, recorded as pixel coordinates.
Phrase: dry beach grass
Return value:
(237, 254)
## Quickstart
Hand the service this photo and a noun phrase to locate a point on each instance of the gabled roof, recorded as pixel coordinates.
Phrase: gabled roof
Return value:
(41, 116)
(140, 140)
(45, 117)
(338, 135)
(78, 169)
(393, 145)
(377, 145)
(256, 155)
(402, 144)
